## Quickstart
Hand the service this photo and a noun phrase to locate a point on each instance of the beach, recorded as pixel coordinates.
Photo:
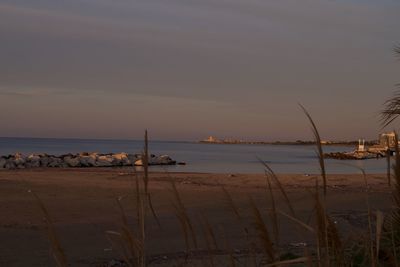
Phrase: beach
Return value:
(82, 205)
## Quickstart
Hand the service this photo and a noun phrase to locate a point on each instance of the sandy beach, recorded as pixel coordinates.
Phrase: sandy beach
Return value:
(82, 204)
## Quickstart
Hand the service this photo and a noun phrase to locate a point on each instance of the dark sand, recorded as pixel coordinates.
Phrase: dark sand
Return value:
(82, 204)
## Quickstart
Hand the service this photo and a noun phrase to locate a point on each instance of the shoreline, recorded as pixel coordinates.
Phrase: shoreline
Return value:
(131, 170)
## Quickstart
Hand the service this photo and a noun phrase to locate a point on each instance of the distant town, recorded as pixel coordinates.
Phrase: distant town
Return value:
(215, 140)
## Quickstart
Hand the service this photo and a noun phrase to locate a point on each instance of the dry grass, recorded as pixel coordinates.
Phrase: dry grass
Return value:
(56, 249)
(320, 152)
(263, 232)
(379, 246)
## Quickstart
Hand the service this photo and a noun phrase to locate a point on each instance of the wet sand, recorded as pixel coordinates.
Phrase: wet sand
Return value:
(82, 204)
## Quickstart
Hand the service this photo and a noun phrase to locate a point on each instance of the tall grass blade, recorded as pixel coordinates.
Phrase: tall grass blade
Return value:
(209, 238)
(231, 203)
(290, 262)
(389, 178)
(183, 215)
(55, 245)
(263, 232)
(272, 174)
(302, 224)
(320, 152)
(153, 211)
(273, 213)
(396, 190)
(145, 159)
(209, 231)
(378, 231)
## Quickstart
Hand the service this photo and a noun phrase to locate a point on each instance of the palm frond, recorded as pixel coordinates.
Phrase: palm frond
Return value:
(391, 109)
(396, 49)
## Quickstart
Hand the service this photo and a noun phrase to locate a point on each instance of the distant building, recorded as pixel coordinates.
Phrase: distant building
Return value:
(387, 140)
(361, 145)
(211, 139)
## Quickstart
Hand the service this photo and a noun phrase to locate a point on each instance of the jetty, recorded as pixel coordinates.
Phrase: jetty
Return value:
(386, 146)
(80, 160)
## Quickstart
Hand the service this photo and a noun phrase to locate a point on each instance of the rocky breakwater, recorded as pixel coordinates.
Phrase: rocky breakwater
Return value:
(20, 161)
(353, 155)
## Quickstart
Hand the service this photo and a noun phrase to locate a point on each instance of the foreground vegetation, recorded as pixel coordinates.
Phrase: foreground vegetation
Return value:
(378, 245)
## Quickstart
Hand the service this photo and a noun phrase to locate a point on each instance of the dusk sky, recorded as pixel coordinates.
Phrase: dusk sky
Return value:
(188, 69)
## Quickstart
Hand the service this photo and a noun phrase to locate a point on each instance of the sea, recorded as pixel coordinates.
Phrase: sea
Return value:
(205, 158)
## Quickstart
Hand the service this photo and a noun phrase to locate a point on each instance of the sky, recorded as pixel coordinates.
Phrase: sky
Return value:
(187, 69)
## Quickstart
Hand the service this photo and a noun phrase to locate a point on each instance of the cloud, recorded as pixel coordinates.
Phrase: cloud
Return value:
(32, 92)
(254, 56)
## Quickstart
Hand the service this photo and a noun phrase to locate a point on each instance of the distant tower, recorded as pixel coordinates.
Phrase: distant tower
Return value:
(361, 145)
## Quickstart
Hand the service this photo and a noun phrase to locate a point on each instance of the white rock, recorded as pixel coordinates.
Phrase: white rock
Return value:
(33, 157)
(138, 162)
(121, 159)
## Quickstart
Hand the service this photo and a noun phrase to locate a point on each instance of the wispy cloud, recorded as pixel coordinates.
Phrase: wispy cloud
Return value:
(32, 92)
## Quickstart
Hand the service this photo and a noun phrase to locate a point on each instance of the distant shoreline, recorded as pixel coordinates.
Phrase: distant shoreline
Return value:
(297, 143)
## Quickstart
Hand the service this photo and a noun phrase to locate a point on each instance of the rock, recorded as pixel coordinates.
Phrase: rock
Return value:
(121, 159)
(163, 160)
(10, 164)
(44, 160)
(132, 158)
(72, 161)
(104, 161)
(138, 162)
(55, 162)
(19, 159)
(32, 161)
(3, 162)
(153, 160)
(88, 160)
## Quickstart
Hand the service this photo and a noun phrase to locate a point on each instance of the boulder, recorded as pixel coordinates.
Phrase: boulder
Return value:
(138, 162)
(44, 160)
(10, 164)
(72, 161)
(55, 162)
(164, 160)
(19, 159)
(104, 161)
(32, 161)
(132, 158)
(3, 162)
(154, 160)
(87, 160)
(121, 159)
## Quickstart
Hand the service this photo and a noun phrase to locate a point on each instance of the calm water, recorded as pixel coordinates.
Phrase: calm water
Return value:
(202, 157)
